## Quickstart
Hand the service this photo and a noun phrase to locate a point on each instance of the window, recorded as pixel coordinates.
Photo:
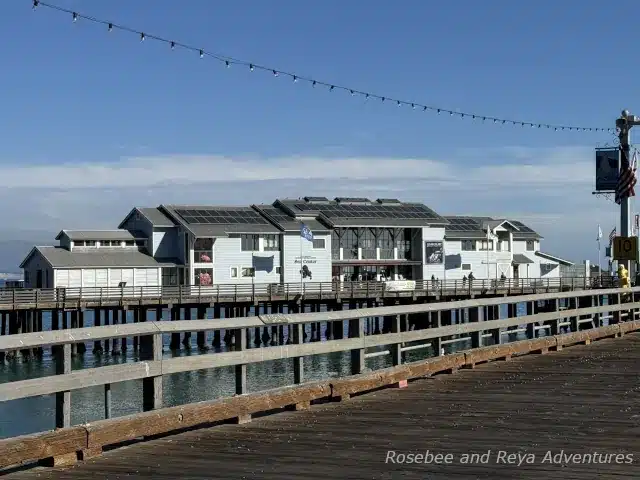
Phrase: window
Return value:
(335, 245)
(203, 250)
(278, 270)
(130, 243)
(403, 242)
(468, 245)
(385, 244)
(318, 243)
(486, 245)
(350, 244)
(531, 245)
(141, 243)
(466, 266)
(203, 276)
(272, 243)
(234, 272)
(248, 272)
(249, 243)
(169, 277)
(368, 244)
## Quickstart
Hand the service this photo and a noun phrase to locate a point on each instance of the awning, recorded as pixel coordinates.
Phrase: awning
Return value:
(520, 259)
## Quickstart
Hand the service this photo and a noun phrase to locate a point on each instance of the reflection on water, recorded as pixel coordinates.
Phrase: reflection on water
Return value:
(37, 414)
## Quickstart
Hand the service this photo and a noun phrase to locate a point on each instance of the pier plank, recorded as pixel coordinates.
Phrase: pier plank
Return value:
(577, 401)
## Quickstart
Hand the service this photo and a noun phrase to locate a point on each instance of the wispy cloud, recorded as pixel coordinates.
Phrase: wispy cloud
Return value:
(550, 188)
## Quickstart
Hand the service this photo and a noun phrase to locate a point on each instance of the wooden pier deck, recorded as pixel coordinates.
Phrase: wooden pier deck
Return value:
(581, 400)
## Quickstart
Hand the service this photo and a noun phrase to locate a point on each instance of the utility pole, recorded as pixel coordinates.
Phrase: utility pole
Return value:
(624, 124)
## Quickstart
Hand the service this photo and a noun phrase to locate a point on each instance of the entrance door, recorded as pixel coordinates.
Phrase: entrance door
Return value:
(39, 279)
(516, 273)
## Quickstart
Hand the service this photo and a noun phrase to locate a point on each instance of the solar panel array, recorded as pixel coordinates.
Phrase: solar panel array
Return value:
(352, 199)
(277, 214)
(371, 211)
(463, 225)
(522, 227)
(230, 216)
(316, 199)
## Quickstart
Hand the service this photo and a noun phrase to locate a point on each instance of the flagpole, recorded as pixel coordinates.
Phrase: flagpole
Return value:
(301, 281)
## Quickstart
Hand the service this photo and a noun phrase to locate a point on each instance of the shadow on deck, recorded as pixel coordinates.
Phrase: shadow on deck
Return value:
(574, 403)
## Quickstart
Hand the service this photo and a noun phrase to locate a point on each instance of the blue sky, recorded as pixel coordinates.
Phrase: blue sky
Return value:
(95, 122)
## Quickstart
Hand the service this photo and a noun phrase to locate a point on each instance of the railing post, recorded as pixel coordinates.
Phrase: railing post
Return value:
(436, 343)
(396, 348)
(531, 327)
(63, 399)
(240, 340)
(298, 362)
(476, 314)
(356, 330)
(151, 350)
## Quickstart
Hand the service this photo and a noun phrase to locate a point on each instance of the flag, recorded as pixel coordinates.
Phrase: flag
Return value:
(627, 180)
(612, 235)
(599, 232)
(306, 233)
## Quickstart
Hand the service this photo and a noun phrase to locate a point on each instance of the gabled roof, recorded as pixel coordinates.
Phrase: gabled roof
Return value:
(219, 221)
(153, 215)
(361, 212)
(553, 258)
(59, 257)
(287, 222)
(97, 235)
(470, 227)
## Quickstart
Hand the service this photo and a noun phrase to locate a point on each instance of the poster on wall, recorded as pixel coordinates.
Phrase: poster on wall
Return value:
(433, 252)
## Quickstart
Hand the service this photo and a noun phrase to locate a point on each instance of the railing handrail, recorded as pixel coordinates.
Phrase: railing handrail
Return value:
(157, 367)
(78, 335)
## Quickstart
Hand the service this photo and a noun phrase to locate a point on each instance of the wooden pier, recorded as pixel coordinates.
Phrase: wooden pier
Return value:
(529, 410)
(23, 310)
(547, 389)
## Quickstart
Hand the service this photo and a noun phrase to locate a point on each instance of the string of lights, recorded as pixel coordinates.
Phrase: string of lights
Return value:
(252, 66)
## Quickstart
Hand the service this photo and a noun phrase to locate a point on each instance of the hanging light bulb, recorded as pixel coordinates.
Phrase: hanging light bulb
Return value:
(201, 54)
(227, 64)
(142, 37)
(251, 67)
(331, 88)
(399, 103)
(173, 45)
(275, 73)
(75, 16)
(313, 84)
(110, 28)
(295, 79)
(352, 92)
(35, 4)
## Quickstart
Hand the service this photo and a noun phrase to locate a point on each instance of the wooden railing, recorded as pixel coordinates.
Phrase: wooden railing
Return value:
(287, 291)
(583, 315)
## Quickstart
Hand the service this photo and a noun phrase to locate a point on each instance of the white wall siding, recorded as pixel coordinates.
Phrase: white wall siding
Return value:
(227, 254)
(318, 260)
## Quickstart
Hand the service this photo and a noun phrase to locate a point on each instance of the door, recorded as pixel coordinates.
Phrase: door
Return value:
(39, 279)
(516, 273)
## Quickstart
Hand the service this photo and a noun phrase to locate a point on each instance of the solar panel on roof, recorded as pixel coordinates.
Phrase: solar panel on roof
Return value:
(229, 217)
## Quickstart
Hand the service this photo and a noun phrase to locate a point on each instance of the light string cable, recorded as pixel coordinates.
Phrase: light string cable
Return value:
(229, 61)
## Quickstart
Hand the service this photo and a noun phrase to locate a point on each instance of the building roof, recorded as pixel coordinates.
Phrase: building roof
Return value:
(287, 222)
(348, 211)
(553, 258)
(97, 235)
(59, 257)
(218, 221)
(520, 259)
(155, 217)
(468, 227)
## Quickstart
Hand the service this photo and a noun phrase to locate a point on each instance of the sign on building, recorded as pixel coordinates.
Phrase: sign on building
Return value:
(607, 161)
(625, 248)
(434, 252)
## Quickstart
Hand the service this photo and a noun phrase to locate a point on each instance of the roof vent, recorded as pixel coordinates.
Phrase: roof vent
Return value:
(388, 201)
(352, 200)
(316, 199)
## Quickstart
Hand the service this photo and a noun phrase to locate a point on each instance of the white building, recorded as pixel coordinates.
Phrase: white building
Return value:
(496, 248)
(354, 239)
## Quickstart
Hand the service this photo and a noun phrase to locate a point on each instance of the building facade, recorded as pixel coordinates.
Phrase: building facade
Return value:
(306, 240)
